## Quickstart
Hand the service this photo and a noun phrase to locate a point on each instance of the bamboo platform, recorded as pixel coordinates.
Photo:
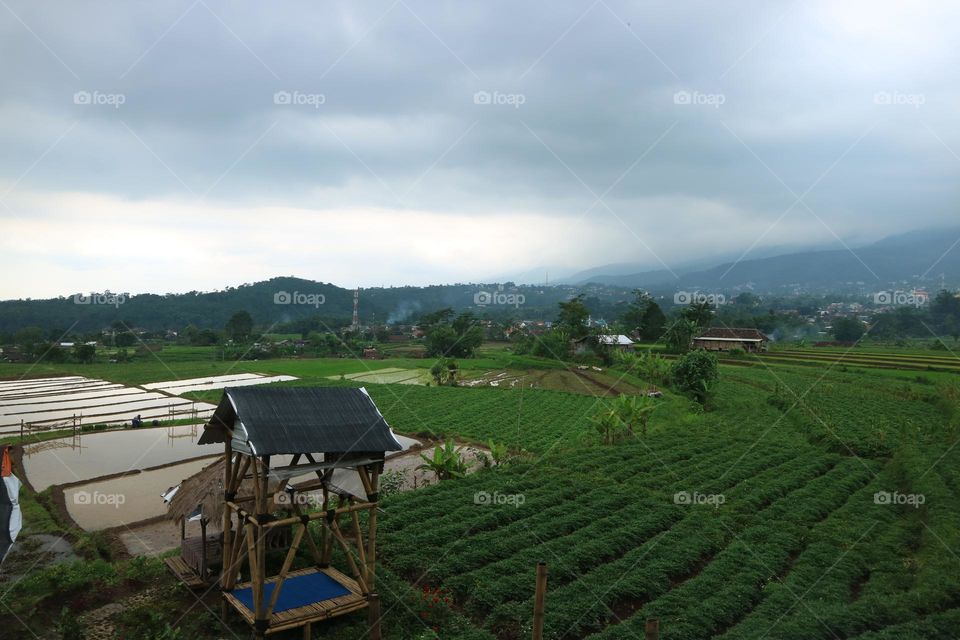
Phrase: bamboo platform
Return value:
(184, 572)
(314, 612)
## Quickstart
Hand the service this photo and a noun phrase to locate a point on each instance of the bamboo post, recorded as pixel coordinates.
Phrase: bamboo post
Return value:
(285, 569)
(371, 578)
(227, 520)
(262, 544)
(538, 601)
(374, 612)
(652, 631)
(203, 548)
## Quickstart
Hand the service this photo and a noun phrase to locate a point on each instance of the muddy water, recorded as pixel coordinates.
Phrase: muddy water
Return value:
(93, 455)
(123, 501)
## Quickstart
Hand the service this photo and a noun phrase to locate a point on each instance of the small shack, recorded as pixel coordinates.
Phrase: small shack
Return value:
(199, 499)
(272, 436)
(725, 339)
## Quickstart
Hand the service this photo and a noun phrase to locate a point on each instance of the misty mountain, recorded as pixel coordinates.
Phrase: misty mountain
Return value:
(915, 258)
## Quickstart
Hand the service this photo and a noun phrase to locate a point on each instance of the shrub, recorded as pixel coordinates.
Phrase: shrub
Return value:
(695, 373)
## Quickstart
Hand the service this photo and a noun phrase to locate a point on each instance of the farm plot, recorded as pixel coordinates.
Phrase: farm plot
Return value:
(389, 375)
(179, 387)
(848, 413)
(888, 360)
(612, 543)
(50, 403)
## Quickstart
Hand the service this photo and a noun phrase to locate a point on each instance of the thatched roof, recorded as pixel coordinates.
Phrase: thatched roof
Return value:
(204, 491)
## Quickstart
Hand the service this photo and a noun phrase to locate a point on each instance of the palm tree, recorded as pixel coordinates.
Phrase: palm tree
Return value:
(680, 334)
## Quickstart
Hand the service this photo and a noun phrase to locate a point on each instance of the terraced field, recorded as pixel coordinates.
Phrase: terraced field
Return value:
(928, 361)
(804, 502)
(800, 546)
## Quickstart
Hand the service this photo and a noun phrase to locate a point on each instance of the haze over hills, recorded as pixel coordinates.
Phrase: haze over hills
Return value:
(914, 258)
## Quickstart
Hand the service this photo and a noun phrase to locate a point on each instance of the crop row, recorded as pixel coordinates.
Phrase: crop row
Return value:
(640, 516)
(739, 575)
(553, 502)
(901, 568)
(649, 570)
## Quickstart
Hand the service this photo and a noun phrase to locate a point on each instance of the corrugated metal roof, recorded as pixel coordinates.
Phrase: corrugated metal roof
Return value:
(278, 420)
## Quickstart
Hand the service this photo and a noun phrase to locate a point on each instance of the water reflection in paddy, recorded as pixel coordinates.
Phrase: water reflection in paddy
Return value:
(92, 455)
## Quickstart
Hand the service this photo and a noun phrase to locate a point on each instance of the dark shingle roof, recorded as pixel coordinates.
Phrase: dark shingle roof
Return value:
(732, 333)
(301, 420)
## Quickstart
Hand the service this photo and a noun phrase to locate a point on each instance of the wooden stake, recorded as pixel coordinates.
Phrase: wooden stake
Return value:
(373, 601)
(652, 631)
(538, 601)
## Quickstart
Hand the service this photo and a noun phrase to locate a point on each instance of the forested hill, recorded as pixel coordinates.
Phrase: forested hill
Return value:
(287, 299)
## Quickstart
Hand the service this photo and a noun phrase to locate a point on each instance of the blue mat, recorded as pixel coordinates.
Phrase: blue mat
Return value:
(297, 591)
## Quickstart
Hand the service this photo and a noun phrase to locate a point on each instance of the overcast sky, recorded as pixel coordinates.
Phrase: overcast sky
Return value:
(175, 146)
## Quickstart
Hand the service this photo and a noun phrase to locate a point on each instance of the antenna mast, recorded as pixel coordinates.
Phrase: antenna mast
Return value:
(355, 325)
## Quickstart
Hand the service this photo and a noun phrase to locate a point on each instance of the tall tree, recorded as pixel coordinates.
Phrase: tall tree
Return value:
(573, 318)
(239, 326)
(848, 329)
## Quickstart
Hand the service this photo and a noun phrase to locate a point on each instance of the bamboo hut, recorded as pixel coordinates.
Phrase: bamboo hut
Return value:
(270, 437)
(199, 498)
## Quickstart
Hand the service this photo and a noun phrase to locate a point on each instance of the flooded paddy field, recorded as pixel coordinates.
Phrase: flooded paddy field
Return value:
(213, 383)
(127, 499)
(74, 401)
(93, 455)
